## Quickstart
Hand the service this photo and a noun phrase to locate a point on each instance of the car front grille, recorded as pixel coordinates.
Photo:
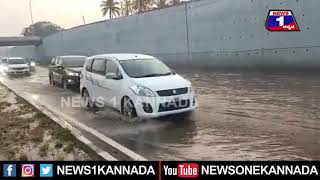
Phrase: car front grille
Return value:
(19, 68)
(173, 92)
(175, 105)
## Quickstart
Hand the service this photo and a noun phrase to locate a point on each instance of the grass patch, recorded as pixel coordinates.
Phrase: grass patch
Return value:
(26, 126)
(60, 158)
(16, 132)
(40, 116)
(23, 157)
(36, 135)
(63, 136)
(58, 145)
(69, 148)
(10, 154)
(4, 104)
(44, 150)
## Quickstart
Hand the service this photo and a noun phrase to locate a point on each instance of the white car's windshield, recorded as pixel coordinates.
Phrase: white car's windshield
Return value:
(139, 68)
(17, 61)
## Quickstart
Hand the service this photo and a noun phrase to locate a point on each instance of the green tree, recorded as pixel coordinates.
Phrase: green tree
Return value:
(110, 6)
(126, 7)
(160, 4)
(41, 29)
(142, 5)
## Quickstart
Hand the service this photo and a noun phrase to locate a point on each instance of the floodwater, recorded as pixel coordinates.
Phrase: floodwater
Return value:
(243, 116)
(240, 116)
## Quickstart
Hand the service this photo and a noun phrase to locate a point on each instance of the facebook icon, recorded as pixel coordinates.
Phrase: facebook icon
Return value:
(9, 170)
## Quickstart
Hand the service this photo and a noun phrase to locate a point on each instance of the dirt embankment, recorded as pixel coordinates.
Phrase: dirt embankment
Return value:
(27, 134)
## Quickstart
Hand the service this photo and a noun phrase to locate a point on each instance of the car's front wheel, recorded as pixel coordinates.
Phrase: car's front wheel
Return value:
(51, 80)
(128, 109)
(64, 84)
(86, 99)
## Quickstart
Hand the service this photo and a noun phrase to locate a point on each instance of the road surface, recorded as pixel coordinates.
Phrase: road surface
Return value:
(241, 116)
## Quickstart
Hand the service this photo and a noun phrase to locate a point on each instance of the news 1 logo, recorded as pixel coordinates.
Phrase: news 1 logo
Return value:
(281, 20)
(27, 170)
(9, 170)
(188, 170)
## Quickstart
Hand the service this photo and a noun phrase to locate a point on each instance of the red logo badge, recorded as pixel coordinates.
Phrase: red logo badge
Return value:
(188, 170)
(281, 20)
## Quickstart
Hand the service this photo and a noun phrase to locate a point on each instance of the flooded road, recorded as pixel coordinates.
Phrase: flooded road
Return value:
(240, 116)
(257, 116)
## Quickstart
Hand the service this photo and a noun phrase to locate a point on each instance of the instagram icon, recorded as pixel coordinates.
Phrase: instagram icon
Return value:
(27, 170)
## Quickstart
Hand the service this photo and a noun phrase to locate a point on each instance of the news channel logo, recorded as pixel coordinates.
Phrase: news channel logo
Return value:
(46, 170)
(27, 170)
(9, 170)
(281, 20)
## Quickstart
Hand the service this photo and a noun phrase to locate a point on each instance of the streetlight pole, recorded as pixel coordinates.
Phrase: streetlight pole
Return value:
(31, 11)
(84, 20)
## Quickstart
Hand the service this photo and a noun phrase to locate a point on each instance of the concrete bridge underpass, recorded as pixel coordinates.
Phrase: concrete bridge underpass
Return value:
(20, 41)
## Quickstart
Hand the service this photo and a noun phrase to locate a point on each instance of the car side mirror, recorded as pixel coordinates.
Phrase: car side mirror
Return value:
(59, 66)
(112, 76)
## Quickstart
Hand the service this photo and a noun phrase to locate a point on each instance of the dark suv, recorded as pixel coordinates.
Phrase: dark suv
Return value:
(65, 70)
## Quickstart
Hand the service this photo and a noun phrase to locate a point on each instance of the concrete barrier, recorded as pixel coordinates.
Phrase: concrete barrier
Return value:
(205, 33)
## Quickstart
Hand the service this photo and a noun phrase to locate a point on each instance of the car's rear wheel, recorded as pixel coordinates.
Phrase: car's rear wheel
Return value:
(128, 109)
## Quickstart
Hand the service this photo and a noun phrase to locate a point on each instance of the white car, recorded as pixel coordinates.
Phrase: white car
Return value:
(135, 84)
(16, 65)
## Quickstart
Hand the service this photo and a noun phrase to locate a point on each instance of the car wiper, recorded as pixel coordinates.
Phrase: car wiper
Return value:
(155, 75)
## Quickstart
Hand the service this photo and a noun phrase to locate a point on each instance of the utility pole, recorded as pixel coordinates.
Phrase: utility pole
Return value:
(31, 11)
(84, 20)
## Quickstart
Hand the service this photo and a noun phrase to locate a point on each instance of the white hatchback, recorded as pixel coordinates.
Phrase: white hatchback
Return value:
(135, 84)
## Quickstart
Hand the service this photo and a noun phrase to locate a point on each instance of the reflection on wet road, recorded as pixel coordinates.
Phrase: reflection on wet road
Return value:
(241, 116)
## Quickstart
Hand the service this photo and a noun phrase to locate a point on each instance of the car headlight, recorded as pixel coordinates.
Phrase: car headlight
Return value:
(190, 89)
(72, 73)
(142, 91)
(32, 64)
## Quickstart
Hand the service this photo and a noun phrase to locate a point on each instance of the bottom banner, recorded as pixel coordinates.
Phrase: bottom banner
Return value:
(159, 169)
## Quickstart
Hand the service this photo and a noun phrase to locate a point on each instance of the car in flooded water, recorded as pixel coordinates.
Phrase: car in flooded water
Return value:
(32, 64)
(65, 70)
(15, 66)
(135, 84)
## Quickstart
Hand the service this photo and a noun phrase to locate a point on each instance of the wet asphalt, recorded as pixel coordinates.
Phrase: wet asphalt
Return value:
(240, 116)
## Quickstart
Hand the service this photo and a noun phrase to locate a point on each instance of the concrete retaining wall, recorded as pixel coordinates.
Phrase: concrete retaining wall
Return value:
(206, 33)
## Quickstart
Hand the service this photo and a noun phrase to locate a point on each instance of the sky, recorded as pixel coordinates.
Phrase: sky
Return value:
(15, 14)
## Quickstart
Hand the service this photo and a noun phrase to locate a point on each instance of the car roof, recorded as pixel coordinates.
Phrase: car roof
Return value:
(123, 56)
(15, 58)
(72, 56)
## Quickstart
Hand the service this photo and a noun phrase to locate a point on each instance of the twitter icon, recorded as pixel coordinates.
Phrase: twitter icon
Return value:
(46, 170)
